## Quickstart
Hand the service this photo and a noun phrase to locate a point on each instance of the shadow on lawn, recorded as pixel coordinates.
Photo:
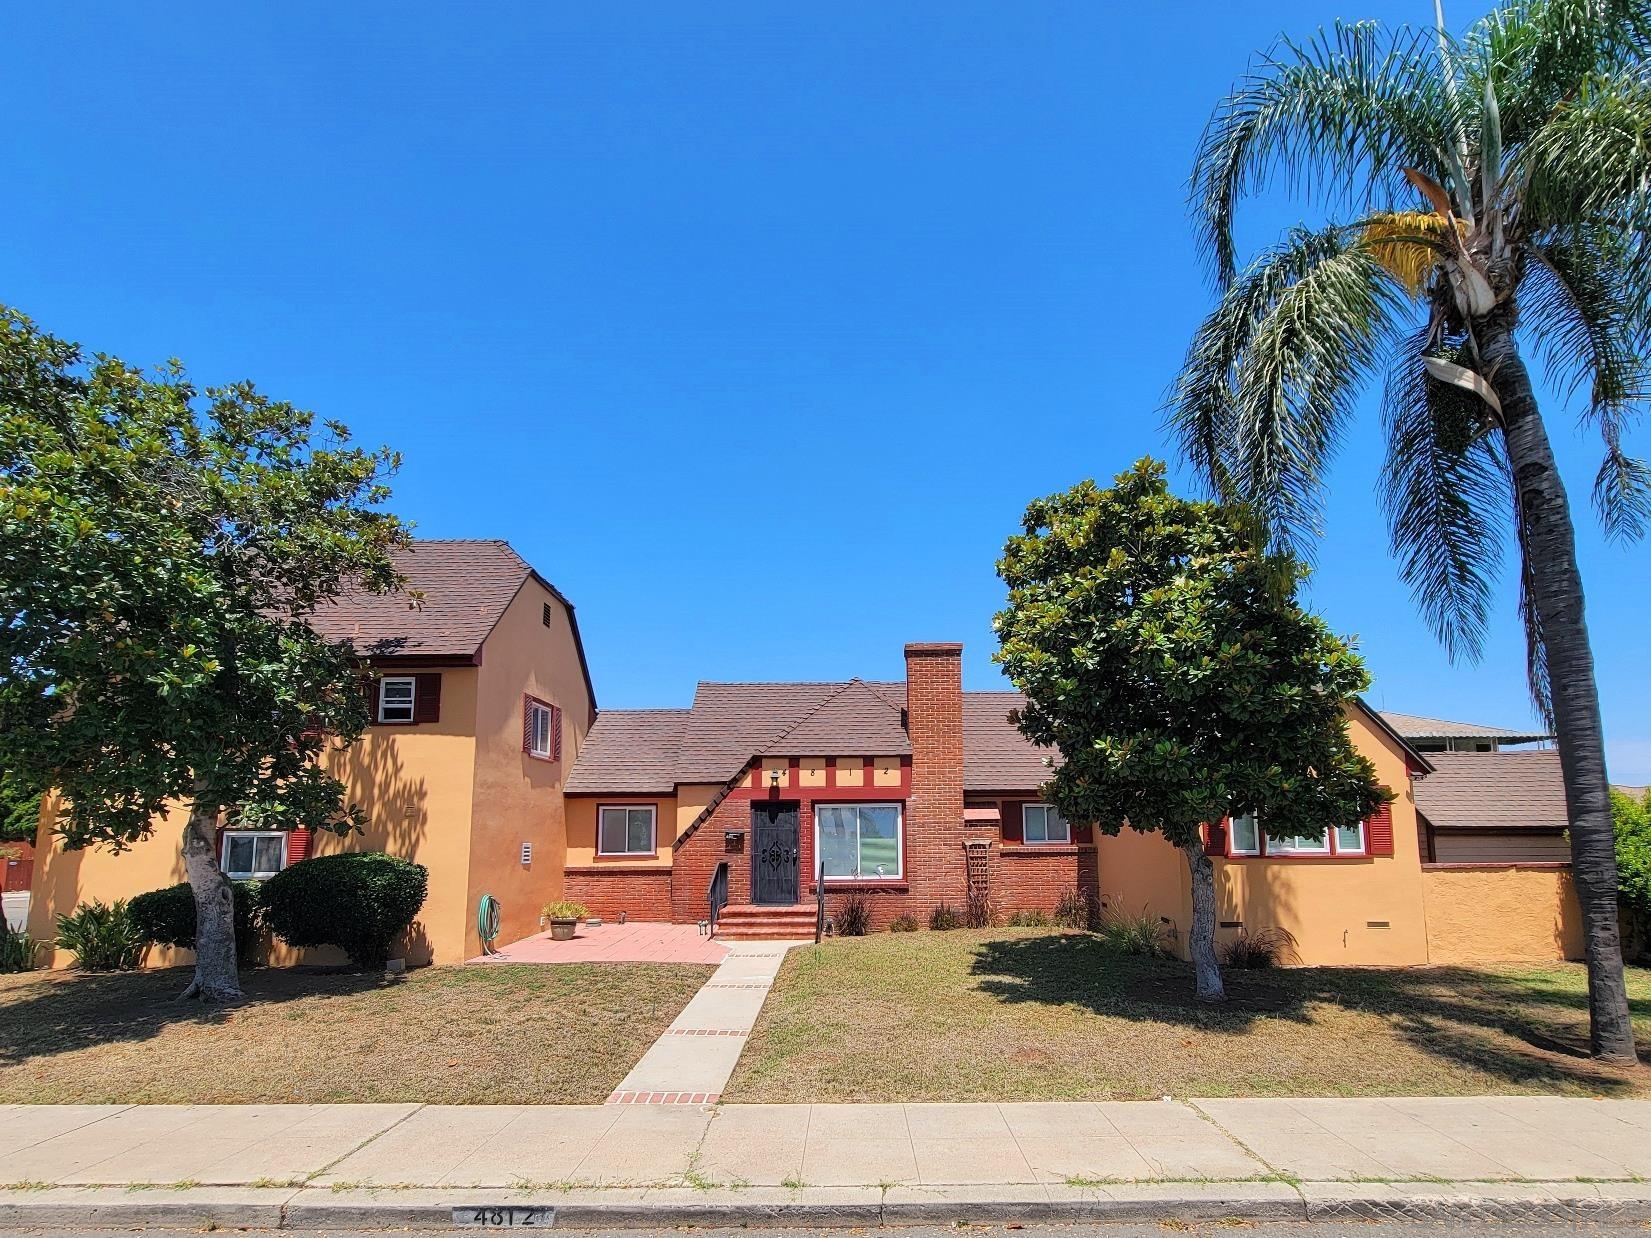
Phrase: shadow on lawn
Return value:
(1521, 1028)
(60, 1012)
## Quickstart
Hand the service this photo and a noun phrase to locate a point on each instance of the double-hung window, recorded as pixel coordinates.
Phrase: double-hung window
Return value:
(540, 719)
(625, 829)
(395, 698)
(859, 840)
(1040, 823)
(250, 854)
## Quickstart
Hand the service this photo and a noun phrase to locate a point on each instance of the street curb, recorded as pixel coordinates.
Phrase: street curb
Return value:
(831, 1207)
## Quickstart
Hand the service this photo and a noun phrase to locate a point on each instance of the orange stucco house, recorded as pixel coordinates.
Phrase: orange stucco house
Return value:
(488, 762)
(480, 708)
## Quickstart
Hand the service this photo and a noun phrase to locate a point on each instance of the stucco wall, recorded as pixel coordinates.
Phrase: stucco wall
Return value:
(413, 782)
(518, 796)
(1501, 913)
(581, 832)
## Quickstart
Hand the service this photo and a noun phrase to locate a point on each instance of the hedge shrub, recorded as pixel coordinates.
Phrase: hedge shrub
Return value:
(167, 917)
(359, 901)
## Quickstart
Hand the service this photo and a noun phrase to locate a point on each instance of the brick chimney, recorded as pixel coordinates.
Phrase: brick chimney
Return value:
(934, 811)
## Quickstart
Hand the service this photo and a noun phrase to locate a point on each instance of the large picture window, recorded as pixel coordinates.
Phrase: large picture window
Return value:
(250, 855)
(859, 840)
(1041, 823)
(625, 829)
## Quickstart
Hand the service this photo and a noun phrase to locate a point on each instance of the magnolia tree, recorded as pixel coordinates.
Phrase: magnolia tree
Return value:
(1163, 654)
(161, 550)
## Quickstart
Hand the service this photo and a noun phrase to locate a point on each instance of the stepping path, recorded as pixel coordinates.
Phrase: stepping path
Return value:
(691, 1062)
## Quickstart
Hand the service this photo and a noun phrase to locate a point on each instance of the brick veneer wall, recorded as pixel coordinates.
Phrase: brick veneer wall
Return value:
(696, 859)
(935, 866)
(642, 894)
(1034, 878)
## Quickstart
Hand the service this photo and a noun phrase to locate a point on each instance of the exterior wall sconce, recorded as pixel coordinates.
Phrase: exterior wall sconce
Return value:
(774, 777)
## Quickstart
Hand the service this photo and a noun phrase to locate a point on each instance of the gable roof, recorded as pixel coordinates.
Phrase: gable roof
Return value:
(1494, 791)
(1415, 726)
(466, 584)
(732, 722)
(996, 756)
(630, 751)
(853, 721)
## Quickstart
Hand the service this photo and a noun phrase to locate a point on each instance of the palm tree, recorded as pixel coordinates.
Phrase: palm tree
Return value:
(1493, 189)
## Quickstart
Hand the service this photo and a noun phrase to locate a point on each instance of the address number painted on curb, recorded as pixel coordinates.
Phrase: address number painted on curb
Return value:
(504, 1217)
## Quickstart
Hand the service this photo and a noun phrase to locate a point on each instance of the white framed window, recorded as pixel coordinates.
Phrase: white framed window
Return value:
(1350, 839)
(856, 841)
(1244, 836)
(625, 829)
(1299, 844)
(253, 854)
(540, 718)
(1043, 823)
(395, 698)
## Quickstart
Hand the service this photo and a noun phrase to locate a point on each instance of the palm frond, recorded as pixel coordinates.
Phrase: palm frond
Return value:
(1591, 160)
(1445, 493)
(1536, 51)
(1272, 375)
(1408, 244)
(1340, 115)
(1586, 332)
(1622, 493)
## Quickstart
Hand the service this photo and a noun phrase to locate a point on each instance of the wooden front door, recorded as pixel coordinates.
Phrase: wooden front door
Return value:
(774, 855)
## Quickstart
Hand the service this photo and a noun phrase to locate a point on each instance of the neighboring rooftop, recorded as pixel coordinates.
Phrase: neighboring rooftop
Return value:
(1493, 791)
(1414, 726)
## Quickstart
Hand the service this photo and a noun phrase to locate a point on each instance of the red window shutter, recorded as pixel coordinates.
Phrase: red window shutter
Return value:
(1014, 825)
(1216, 838)
(427, 697)
(298, 846)
(1083, 834)
(527, 723)
(555, 733)
(1378, 831)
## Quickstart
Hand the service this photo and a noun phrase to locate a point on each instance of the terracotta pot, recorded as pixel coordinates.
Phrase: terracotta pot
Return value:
(562, 930)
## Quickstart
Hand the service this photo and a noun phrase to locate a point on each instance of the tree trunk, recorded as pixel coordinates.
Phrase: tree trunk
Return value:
(1555, 591)
(1201, 936)
(216, 978)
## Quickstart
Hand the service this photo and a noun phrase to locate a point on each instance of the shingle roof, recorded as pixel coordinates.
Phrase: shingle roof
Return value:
(996, 756)
(854, 721)
(1414, 726)
(1493, 791)
(733, 722)
(630, 751)
(466, 586)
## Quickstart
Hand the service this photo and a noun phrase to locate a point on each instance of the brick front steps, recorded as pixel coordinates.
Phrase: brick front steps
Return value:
(748, 922)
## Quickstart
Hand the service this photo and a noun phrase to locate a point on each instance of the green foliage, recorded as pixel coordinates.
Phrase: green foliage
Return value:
(1028, 917)
(853, 917)
(564, 910)
(903, 924)
(164, 551)
(1142, 933)
(19, 811)
(101, 936)
(1164, 657)
(1632, 819)
(944, 918)
(167, 917)
(1272, 947)
(358, 901)
(1076, 910)
(18, 951)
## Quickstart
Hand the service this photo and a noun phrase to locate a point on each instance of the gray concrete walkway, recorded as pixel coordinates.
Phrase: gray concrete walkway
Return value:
(1503, 1157)
(691, 1061)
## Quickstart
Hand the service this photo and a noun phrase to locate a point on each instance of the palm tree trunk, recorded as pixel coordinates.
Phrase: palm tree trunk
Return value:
(216, 976)
(1201, 937)
(1555, 590)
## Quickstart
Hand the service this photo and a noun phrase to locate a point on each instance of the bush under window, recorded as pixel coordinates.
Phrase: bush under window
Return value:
(358, 901)
(167, 917)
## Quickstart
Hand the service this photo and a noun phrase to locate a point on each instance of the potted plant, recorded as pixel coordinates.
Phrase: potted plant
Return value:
(564, 917)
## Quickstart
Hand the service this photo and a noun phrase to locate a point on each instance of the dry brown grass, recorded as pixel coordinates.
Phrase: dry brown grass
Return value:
(450, 1035)
(1034, 1015)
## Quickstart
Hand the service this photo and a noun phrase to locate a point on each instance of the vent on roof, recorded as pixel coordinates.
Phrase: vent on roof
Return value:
(545, 618)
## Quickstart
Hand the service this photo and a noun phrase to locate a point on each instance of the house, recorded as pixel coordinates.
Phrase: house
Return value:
(1441, 735)
(480, 705)
(916, 793)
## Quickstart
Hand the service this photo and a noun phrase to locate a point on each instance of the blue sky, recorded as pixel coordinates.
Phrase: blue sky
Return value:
(753, 326)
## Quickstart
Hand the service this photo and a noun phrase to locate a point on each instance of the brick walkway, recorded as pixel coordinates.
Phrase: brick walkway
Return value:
(616, 943)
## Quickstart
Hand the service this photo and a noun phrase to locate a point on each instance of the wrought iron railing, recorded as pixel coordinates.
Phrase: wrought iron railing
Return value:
(717, 895)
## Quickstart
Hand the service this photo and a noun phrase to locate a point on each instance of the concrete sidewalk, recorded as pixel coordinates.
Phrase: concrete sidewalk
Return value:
(666, 1165)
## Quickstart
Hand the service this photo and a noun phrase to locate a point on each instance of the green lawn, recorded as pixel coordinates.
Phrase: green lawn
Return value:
(1008, 1014)
(495, 1034)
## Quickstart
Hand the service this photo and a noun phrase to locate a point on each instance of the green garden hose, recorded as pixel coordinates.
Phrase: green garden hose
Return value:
(487, 922)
